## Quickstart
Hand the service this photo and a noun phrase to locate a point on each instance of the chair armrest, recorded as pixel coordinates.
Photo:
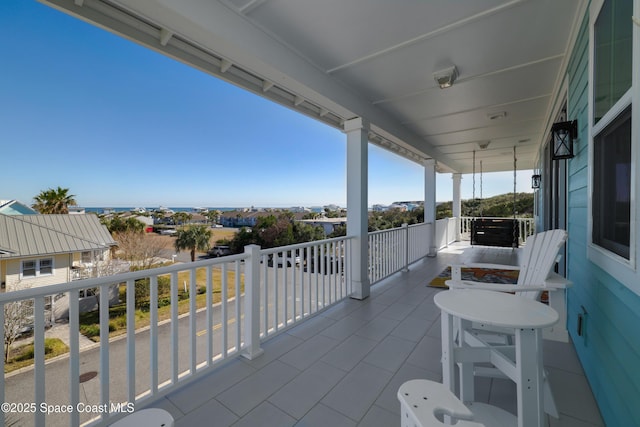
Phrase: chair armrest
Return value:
(555, 281)
(498, 287)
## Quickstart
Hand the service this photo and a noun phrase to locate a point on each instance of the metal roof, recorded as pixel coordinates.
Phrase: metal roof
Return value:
(34, 235)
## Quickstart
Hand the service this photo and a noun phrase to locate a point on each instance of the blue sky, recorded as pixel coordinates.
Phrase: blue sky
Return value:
(120, 125)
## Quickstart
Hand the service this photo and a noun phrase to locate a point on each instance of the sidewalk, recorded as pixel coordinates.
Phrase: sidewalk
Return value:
(61, 331)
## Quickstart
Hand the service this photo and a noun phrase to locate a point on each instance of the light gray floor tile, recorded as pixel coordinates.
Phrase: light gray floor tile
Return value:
(349, 353)
(377, 329)
(391, 353)
(251, 391)
(427, 354)
(212, 414)
(273, 349)
(573, 396)
(343, 328)
(266, 415)
(188, 398)
(305, 391)
(398, 311)
(370, 310)
(412, 328)
(307, 353)
(323, 416)
(379, 417)
(561, 355)
(355, 394)
(311, 327)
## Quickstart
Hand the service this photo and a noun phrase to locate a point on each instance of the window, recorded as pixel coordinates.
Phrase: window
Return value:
(86, 257)
(613, 53)
(37, 267)
(29, 268)
(612, 186)
(614, 157)
(46, 266)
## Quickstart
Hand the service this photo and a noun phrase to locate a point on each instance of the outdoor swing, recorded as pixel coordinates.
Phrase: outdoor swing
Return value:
(502, 232)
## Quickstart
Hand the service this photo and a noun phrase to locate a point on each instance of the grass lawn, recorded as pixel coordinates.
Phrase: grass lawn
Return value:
(22, 356)
(90, 322)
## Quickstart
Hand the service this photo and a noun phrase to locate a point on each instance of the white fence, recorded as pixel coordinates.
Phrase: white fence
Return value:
(277, 288)
(393, 250)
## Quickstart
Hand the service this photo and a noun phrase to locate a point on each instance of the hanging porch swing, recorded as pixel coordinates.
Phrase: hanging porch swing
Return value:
(502, 232)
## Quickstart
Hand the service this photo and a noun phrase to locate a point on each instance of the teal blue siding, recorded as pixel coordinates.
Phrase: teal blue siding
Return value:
(609, 348)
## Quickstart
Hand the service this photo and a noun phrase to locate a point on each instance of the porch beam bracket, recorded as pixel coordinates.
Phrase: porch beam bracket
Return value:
(165, 36)
(225, 64)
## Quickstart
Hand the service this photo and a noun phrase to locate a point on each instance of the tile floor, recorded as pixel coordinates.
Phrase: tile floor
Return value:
(344, 366)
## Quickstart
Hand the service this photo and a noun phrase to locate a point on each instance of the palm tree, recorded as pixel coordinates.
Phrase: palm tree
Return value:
(54, 201)
(193, 237)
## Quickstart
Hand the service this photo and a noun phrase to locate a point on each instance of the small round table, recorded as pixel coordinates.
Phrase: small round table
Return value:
(524, 316)
(151, 417)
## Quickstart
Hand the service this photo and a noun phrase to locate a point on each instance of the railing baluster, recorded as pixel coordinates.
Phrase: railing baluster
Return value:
(38, 355)
(192, 320)
(265, 295)
(294, 286)
(223, 312)
(153, 333)
(276, 293)
(104, 346)
(131, 338)
(238, 311)
(74, 356)
(209, 312)
(175, 338)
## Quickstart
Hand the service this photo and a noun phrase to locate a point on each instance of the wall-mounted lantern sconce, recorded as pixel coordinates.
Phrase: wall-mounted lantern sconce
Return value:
(535, 181)
(562, 136)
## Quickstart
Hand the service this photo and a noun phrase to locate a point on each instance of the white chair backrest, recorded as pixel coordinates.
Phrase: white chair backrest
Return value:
(538, 258)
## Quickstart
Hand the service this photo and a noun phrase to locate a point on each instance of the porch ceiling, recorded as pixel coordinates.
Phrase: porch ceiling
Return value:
(338, 59)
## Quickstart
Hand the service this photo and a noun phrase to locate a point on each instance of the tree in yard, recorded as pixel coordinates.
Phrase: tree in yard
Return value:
(117, 224)
(194, 238)
(141, 250)
(16, 315)
(54, 201)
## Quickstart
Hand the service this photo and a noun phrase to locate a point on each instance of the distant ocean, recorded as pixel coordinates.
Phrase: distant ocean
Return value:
(104, 209)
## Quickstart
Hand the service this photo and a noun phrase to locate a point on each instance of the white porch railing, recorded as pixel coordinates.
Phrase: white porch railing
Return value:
(277, 287)
(526, 227)
(393, 250)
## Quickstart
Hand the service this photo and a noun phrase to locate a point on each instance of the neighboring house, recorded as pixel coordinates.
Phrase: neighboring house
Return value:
(14, 207)
(40, 250)
(328, 224)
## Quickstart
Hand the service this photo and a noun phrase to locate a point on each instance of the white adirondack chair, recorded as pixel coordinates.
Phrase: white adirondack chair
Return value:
(535, 276)
(425, 403)
(536, 262)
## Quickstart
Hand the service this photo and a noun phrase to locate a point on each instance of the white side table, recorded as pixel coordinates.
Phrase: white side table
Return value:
(527, 317)
(150, 417)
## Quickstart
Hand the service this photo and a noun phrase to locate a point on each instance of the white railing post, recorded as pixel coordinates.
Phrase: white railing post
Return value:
(405, 260)
(252, 302)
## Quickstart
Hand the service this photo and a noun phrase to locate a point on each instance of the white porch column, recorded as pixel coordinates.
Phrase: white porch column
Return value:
(457, 202)
(430, 203)
(357, 131)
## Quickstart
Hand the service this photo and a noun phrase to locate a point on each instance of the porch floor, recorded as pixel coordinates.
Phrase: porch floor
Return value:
(344, 366)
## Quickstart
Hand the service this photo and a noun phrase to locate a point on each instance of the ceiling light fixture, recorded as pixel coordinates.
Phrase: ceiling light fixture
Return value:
(445, 78)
